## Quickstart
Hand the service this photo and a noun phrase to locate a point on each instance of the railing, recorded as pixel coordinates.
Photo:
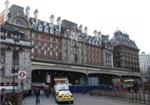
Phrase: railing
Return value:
(140, 97)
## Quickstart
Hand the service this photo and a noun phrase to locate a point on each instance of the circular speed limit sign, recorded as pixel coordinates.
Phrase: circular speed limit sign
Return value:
(22, 74)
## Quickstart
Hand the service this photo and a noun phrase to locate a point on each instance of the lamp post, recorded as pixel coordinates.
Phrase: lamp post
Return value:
(16, 39)
(87, 83)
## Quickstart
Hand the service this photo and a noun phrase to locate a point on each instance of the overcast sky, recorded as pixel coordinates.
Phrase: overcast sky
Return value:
(129, 16)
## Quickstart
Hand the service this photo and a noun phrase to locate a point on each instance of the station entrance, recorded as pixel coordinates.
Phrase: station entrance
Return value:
(40, 76)
(78, 81)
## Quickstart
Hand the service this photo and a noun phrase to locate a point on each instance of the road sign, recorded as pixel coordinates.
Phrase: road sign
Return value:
(22, 74)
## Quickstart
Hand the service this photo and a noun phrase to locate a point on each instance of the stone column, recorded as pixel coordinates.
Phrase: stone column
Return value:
(8, 63)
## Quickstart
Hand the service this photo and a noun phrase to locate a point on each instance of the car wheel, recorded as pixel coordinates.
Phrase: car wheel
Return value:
(71, 102)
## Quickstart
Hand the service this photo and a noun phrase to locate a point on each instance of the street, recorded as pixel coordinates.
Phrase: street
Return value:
(79, 99)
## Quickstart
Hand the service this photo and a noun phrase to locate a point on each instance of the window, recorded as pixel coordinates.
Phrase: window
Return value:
(72, 57)
(39, 36)
(51, 53)
(51, 39)
(56, 53)
(32, 50)
(45, 52)
(45, 44)
(34, 26)
(48, 48)
(32, 42)
(40, 27)
(2, 56)
(56, 40)
(19, 22)
(75, 57)
(39, 52)
(32, 35)
(39, 43)
(56, 47)
(46, 29)
(15, 61)
(51, 46)
(52, 30)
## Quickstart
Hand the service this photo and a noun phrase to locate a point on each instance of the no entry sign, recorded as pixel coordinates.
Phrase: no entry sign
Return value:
(22, 74)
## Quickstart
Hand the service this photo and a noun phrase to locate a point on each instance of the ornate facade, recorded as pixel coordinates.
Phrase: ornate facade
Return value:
(67, 43)
(15, 45)
(63, 46)
(125, 52)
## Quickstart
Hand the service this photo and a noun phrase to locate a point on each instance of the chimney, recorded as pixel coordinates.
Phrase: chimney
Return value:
(6, 10)
(80, 27)
(27, 12)
(85, 30)
(52, 19)
(95, 32)
(99, 34)
(59, 21)
(36, 14)
(6, 4)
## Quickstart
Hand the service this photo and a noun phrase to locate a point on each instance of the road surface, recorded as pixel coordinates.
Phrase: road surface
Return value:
(79, 99)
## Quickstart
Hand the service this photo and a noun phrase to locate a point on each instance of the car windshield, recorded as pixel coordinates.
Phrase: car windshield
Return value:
(63, 89)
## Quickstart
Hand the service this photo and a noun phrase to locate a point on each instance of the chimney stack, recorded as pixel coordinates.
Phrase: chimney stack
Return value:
(99, 34)
(6, 10)
(80, 27)
(36, 14)
(6, 4)
(52, 19)
(59, 21)
(95, 32)
(27, 12)
(85, 30)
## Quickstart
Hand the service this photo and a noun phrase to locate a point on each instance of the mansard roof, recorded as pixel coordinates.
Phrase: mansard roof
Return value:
(15, 9)
(66, 24)
(123, 39)
(43, 26)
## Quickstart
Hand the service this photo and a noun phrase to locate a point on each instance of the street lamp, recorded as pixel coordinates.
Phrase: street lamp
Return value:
(16, 39)
(87, 83)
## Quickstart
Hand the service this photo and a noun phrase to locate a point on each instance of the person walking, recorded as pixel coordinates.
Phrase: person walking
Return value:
(4, 99)
(3, 96)
(37, 94)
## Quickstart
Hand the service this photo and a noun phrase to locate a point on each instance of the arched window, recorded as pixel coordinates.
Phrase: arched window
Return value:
(19, 22)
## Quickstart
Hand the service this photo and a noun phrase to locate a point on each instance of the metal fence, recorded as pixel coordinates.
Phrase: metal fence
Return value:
(140, 97)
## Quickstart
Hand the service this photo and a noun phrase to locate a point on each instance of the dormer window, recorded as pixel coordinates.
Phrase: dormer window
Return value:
(40, 27)
(46, 29)
(19, 22)
(73, 36)
(34, 25)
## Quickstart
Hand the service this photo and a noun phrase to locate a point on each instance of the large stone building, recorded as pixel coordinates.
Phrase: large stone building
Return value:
(47, 50)
(126, 53)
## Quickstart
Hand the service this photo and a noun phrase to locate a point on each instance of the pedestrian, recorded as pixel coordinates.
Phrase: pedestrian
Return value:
(7, 102)
(47, 92)
(3, 95)
(4, 99)
(37, 94)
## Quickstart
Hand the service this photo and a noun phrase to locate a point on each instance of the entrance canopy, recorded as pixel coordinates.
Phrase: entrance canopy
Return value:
(86, 69)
